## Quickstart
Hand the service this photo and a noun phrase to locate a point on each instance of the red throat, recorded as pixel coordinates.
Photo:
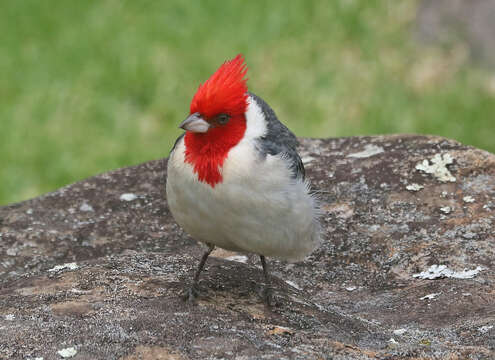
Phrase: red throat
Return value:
(224, 92)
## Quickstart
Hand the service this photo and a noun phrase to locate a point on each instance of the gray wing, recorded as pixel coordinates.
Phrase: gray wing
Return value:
(279, 140)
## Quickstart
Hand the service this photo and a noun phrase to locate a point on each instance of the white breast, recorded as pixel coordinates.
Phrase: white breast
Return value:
(258, 208)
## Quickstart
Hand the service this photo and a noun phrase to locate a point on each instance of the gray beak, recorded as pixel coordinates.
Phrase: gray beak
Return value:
(195, 123)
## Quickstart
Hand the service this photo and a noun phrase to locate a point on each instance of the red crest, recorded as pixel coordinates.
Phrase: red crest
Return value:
(225, 91)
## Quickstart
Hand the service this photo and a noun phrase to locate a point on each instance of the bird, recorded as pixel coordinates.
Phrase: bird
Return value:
(235, 179)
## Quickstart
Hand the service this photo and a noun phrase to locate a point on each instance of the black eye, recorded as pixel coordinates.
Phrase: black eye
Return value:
(223, 119)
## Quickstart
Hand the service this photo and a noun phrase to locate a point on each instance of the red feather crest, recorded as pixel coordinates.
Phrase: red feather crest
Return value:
(224, 92)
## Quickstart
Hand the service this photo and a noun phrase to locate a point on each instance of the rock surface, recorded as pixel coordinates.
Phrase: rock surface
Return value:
(95, 269)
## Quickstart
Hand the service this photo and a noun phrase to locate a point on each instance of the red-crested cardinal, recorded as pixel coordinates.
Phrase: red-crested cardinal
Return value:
(235, 179)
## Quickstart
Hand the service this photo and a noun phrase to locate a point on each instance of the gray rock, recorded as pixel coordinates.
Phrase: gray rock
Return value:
(107, 282)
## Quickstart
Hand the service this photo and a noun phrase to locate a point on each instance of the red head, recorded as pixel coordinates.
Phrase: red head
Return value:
(217, 121)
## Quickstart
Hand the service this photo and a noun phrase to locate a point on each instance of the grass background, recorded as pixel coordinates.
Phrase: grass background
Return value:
(88, 86)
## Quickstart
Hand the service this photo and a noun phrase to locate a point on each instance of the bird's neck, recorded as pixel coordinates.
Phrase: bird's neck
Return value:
(206, 152)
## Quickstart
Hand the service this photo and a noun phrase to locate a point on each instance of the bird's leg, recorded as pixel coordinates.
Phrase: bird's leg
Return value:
(192, 293)
(268, 291)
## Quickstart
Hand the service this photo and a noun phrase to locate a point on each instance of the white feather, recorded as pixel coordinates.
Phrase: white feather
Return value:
(256, 123)
(257, 208)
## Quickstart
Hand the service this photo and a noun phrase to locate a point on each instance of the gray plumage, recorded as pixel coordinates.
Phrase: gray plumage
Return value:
(279, 139)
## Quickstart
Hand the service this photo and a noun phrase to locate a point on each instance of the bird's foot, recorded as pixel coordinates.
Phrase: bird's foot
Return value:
(191, 294)
(269, 297)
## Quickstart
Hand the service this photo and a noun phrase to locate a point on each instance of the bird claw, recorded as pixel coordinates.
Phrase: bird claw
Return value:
(191, 294)
(269, 297)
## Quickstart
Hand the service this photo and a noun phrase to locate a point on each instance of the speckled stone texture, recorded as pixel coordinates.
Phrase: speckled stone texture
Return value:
(356, 297)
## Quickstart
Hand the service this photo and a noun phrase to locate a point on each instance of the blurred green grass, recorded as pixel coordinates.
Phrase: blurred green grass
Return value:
(88, 86)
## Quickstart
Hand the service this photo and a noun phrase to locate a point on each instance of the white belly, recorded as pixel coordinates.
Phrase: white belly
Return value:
(255, 209)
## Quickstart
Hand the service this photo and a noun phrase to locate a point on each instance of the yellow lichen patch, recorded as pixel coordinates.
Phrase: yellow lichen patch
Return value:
(279, 330)
(350, 349)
